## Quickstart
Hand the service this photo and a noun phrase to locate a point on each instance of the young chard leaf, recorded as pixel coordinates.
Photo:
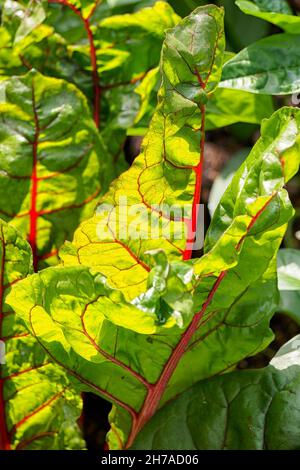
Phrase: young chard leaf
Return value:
(37, 409)
(125, 351)
(52, 163)
(277, 12)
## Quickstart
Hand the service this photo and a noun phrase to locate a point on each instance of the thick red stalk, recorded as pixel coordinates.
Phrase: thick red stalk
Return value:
(93, 56)
(33, 214)
(4, 435)
(192, 224)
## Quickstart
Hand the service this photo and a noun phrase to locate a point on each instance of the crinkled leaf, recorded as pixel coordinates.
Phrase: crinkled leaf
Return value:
(288, 270)
(265, 67)
(52, 163)
(278, 13)
(248, 410)
(37, 408)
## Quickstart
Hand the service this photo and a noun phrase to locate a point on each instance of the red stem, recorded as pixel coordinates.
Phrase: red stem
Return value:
(192, 224)
(93, 56)
(4, 435)
(33, 214)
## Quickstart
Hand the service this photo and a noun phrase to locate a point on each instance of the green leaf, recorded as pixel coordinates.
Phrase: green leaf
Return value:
(265, 67)
(52, 164)
(278, 13)
(226, 107)
(147, 90)
(37, 407)
(249, 410)
(288, 270)
(273, 161)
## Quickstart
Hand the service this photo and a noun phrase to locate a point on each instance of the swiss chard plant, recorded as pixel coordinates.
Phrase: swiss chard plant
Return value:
(136, 309)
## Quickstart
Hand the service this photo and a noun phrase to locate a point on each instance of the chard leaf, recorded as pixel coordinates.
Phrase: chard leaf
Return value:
(248, 410)
(128, 350)
(52, 164)
(37, 408)
(265, 68)
(288, 270)
(276, 12)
